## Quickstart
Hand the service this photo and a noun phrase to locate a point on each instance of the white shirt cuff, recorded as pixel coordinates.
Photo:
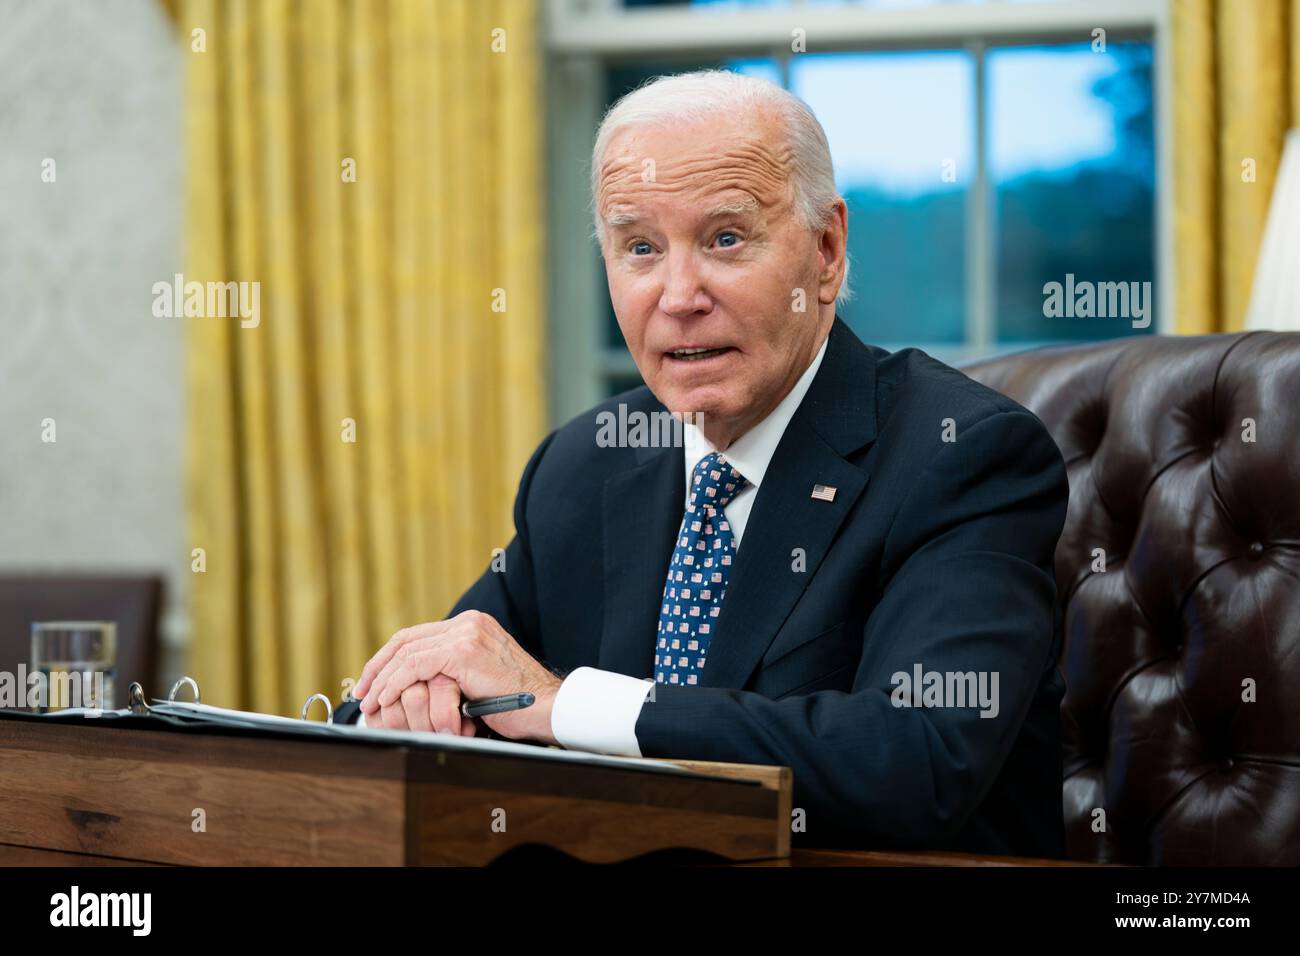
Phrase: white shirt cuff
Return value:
(597, 710)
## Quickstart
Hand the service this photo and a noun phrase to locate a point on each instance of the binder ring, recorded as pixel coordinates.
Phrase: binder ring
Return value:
(329, 708)
(135, 701)
(177, 686)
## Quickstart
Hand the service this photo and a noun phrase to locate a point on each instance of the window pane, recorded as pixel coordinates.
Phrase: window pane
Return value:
(1072, 164)
(901, 131)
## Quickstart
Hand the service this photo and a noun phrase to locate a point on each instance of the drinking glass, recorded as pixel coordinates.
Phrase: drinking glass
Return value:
(79, 661)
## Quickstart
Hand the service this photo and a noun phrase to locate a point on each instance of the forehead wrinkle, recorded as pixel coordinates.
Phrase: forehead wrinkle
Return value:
(736, 207)
(751, 167)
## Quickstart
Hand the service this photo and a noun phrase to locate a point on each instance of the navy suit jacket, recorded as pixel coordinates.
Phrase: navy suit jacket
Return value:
(934, 552)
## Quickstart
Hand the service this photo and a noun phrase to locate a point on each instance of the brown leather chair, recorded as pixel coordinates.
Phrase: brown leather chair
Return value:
(132, 602)
(1181, 719)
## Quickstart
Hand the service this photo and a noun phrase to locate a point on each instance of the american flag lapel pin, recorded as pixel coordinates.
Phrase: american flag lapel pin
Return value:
(824, 492)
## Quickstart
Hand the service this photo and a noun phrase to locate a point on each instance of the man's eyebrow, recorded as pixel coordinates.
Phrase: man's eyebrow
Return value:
(734, 208)
(621, 218)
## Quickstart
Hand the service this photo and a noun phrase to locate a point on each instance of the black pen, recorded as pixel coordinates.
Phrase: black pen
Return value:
(496, 705)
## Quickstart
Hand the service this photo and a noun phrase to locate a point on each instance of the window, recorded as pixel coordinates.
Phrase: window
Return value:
(986, 153)
(902, 139)
(1072, 161)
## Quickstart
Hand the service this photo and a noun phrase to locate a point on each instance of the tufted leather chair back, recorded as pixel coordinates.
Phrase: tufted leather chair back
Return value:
(1181, 718)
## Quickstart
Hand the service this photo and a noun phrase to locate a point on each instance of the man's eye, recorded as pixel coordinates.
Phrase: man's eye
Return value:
(640, 248)
(727, 239)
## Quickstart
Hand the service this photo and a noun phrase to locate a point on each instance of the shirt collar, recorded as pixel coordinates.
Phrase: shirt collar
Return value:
(752, 452)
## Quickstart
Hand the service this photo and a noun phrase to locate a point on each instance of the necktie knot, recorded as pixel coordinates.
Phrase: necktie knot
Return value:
(715, 482)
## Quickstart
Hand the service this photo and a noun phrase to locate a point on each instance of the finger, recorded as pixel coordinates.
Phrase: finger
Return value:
(423, 665)
(380, 681)
(415, 703)
(376, 695)
(468, 727)
(380, 658)
(444, 704)
(385, 654)
(393, 718)
(375, 675)
(393, 645)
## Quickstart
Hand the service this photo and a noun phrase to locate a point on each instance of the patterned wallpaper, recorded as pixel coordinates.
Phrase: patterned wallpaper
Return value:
(94, 85)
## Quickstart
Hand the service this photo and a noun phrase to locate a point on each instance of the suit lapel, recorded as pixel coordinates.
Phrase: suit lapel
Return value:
(642, 509)
(765, 579)
(835, 419)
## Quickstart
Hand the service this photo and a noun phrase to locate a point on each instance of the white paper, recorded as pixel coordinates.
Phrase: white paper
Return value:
(411, 737)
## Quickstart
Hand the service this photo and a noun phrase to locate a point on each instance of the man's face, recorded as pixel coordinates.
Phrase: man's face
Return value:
(714, 259)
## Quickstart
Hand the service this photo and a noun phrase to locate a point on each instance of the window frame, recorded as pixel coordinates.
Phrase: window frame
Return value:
(583, 36)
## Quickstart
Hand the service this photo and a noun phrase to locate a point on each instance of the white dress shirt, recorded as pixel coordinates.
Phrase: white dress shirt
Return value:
(597, 710)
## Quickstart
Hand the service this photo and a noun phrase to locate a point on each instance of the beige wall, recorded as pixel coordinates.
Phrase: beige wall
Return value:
(96, 86)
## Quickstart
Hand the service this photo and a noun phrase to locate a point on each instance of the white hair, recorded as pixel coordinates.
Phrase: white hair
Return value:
(688, 97)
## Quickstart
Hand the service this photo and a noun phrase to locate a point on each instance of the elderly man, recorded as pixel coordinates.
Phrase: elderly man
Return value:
(844, 566)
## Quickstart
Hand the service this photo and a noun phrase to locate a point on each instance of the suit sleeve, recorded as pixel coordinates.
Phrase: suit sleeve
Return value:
(966, 585)
(510, 595)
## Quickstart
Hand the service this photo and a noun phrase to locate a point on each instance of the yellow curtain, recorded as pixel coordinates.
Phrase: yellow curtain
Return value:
(376, 165)
(1236, 90)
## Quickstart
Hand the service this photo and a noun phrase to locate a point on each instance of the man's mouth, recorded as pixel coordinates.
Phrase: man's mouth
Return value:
(697, 354)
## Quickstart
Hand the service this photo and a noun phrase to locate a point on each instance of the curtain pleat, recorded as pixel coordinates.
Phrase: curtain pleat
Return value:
(216, 594)
(376, 313)
(1236, 91)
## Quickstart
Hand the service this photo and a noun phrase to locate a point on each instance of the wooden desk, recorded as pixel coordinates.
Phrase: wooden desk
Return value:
(92, 790)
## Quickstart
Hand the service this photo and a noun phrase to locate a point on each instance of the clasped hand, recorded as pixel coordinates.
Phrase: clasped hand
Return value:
(418, 680)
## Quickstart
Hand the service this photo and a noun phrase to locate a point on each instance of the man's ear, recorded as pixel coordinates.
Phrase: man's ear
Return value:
(832, 244)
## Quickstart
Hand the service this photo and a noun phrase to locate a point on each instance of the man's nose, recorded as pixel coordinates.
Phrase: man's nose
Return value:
(683, 292)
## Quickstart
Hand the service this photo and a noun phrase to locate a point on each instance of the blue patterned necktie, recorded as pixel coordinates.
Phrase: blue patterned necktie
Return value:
(697, 576)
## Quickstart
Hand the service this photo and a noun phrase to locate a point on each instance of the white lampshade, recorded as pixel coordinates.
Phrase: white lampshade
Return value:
(1275, 296)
